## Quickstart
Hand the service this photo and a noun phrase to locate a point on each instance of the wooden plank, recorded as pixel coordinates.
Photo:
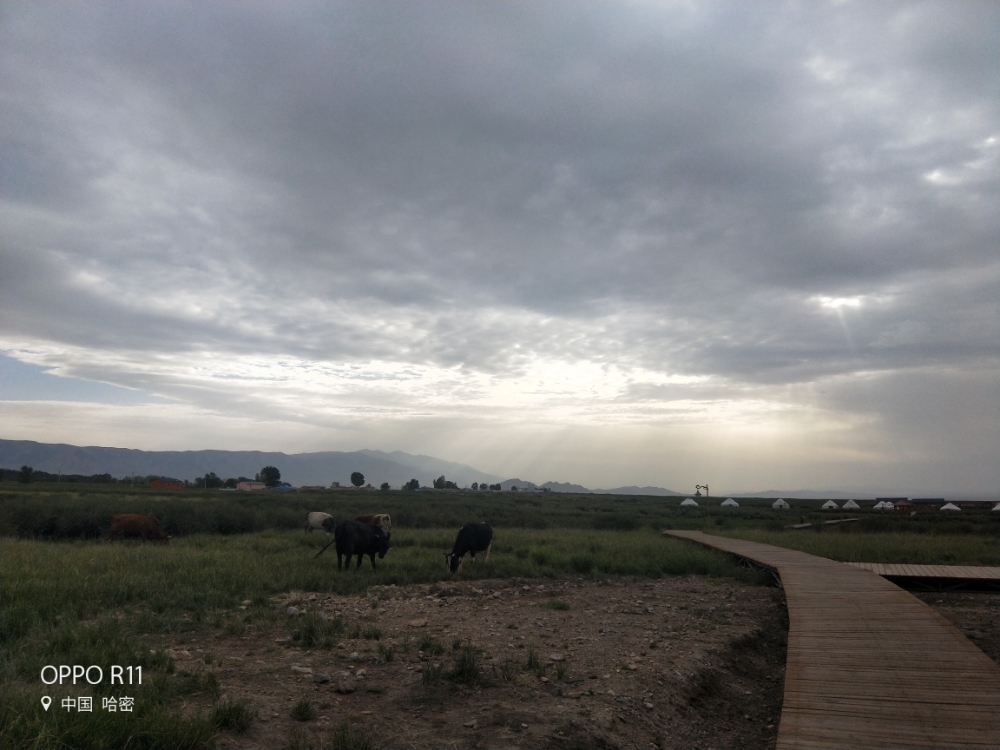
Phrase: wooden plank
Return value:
(851, 681)
(897, 570)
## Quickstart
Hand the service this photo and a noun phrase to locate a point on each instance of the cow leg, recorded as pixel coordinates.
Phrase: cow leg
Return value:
(340, 561)
(361, 556)
(372, 556)
(486, 552)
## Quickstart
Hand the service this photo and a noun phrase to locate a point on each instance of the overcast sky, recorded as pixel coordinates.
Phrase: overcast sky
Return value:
(754, 245)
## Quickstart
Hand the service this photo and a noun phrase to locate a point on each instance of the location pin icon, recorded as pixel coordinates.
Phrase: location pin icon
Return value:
(46, 702)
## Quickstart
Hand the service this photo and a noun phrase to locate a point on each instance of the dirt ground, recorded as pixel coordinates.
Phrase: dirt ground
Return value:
(670, 663)
(975, 613)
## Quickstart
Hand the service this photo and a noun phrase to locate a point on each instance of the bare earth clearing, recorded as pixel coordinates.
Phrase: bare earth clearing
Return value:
(975, 613)
(675, 662)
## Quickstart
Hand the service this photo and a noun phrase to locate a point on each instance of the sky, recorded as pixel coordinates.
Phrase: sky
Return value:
(749, 245)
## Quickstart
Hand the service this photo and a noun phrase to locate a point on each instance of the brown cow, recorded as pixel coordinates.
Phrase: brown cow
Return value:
(135, 526)
(381, 520)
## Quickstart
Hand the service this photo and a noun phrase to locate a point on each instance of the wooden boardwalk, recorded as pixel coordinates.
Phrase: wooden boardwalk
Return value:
(964, 572)
(870, 666)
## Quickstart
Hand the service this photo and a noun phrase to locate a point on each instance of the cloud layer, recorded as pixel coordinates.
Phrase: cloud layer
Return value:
(399, 223)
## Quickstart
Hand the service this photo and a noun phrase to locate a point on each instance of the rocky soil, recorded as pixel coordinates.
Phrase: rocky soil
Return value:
(670, 663)
(975, 613)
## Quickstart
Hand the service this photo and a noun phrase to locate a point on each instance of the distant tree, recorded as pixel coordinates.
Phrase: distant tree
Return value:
(270, 476)
(412, 485)
(384, 487)
(25, 474)
(231, 483)
(334, 485)
(357, 478)
(210, 481)
(449, 485)
(440, 482)
(475, 485)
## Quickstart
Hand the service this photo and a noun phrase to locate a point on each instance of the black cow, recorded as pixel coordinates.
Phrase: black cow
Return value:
(472, 538)
(354, 538)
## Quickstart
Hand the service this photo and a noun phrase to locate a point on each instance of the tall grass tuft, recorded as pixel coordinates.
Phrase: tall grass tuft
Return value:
(303, 710)
(234, 715)
(312, 631)
(466, 670)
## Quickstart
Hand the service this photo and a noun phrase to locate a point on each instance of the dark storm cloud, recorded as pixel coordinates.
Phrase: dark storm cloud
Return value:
(689, 188)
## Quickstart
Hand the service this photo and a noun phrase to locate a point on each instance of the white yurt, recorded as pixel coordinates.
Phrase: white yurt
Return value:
(950, 506)
(780, 504)
(887, 505)
(851, 505)
(689, 503)
(829, 505)
(878, 506)
(730, 503)
(996, 507)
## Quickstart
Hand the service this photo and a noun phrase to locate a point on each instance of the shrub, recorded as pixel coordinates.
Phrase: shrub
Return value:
(432, 674)
(428, 645)
(310, 631)
(531, 663)
(235, 715)
(506, 670)
(558, 604)
(304, 710)
(350, 736)
(466, 670)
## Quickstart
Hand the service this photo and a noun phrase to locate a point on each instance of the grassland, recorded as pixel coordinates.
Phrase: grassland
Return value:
(87, 602)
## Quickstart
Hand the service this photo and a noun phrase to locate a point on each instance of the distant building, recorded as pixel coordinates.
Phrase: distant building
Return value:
(166, 483)
(251, 486)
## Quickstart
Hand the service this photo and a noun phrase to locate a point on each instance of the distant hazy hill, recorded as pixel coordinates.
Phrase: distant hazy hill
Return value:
(660, 491)
(807, 494)
(298, 469)
(630, 490)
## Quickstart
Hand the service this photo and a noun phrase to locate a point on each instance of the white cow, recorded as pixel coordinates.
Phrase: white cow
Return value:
(317, 520)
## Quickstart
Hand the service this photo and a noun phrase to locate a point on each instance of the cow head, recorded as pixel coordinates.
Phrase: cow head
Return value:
(329, 524)
(383, 544)
(453, 562)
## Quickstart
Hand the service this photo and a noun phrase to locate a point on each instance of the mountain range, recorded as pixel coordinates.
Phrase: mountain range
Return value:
(298, 469)
(323, 468)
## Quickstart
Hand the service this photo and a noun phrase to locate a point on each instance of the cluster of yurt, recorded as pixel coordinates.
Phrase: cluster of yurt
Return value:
(851, 505)
(886, 505)
(780, 504)
(830, 505)
(950, 507)
(730, 503)
(689, 502)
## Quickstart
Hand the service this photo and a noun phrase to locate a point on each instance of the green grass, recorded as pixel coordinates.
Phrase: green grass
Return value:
(304, 710)
(557, 604)
(89, 602)
(234, 715)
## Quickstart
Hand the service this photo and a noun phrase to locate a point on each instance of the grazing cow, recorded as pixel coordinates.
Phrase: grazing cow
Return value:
(354, 538)
(133, 525)
(317, 520)
(472, 538)
(379, 519)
